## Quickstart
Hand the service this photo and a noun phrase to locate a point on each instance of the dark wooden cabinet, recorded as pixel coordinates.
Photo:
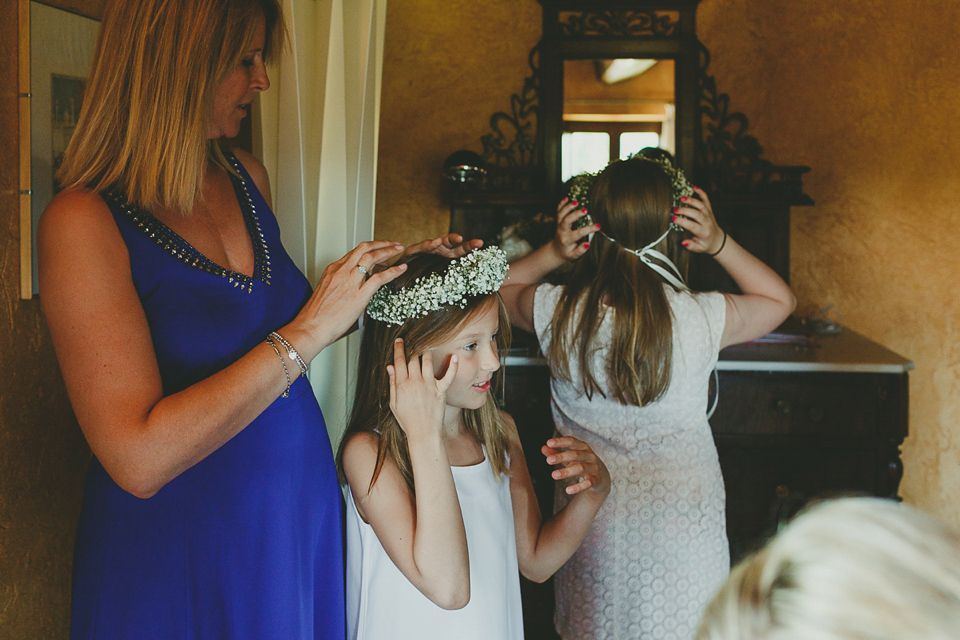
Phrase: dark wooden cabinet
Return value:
(792, 424)
(798, 423)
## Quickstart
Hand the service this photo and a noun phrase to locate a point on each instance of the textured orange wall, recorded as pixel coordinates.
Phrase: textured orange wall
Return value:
(42, 453)
(446, 69)
(865, 93)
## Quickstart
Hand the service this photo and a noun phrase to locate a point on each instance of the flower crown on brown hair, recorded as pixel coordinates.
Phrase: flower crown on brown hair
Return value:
(477, 273)
(581, 184)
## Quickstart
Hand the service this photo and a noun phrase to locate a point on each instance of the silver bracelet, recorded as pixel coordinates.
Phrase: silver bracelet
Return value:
(291, 351)
(285, 394)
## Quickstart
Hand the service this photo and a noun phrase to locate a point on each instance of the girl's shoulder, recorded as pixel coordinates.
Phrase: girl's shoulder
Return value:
(360, 443)
(698, 315)
(509, 425)
(545, 300)
(359, 455)
(710, 303)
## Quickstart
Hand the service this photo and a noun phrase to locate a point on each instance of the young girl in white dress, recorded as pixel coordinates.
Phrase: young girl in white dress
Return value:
(441, 513)
(631, 351)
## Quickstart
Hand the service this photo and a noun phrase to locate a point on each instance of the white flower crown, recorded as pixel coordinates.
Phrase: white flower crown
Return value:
(580, 185)
(681, 186)
(477, 273)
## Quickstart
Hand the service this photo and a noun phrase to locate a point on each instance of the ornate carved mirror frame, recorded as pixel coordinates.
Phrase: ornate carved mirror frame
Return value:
(712, 142)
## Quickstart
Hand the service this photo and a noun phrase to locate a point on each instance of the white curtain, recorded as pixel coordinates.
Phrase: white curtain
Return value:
(317, 135)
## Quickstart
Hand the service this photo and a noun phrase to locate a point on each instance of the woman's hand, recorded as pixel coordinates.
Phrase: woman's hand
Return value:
(451, 245)
(341, 296)
(577, 460)
(417, 398)
(567, 241)
(696, 216)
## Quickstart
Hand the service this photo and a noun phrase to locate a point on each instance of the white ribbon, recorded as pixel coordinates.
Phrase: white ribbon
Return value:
(648, 254)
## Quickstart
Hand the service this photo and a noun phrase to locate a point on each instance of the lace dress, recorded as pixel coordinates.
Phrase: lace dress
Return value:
(658, 548)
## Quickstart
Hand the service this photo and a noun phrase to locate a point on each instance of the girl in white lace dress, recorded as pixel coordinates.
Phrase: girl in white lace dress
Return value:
(441, 514)
(630, 351)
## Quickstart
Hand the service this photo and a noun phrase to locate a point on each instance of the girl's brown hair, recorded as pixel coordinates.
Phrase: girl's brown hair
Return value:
(371, 403)
(148, 103)
(631, 200)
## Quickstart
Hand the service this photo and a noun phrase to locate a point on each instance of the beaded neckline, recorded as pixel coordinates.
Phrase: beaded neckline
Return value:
(179, 248)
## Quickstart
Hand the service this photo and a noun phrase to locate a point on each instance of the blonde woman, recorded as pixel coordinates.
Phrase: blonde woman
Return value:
(211, 507)
(848, 569)
(630, 351)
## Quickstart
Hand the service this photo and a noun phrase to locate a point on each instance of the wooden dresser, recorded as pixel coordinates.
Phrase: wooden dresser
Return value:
(792, 423)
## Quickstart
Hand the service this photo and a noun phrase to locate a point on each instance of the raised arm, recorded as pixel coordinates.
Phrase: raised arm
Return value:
(424, 535)
(525, 273)
(544, 546)
(766, 300)
(143, 438)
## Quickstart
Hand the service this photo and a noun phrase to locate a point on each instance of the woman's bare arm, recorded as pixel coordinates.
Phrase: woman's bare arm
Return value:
(103, 344)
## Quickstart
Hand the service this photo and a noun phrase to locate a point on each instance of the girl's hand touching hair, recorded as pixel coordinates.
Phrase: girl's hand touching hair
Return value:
(570, 243)
(696, 216)
(417, 398)
(577, 461)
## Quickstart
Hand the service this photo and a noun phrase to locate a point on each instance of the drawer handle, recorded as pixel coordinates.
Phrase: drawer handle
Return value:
(784, 407)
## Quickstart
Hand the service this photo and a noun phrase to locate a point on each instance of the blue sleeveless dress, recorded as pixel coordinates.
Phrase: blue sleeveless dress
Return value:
(246, 544)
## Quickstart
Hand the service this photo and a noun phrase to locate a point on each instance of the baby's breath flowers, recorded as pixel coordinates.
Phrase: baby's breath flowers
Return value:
(477, 273)
(579, 185)
(681, 186)
(578, 190)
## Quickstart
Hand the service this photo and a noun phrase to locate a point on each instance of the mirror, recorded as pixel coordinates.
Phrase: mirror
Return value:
(614, 80)
(613, 108)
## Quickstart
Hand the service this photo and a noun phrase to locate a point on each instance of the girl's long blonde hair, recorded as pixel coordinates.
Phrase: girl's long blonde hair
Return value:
(149, 100)
(631, 200)
(371, 403)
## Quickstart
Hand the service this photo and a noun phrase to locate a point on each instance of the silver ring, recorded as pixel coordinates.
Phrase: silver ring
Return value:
(362, 269)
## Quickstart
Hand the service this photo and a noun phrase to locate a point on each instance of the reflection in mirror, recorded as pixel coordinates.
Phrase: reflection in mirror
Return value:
(612, 108)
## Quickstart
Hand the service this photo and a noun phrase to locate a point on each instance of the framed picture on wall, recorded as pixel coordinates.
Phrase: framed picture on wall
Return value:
(56, 51)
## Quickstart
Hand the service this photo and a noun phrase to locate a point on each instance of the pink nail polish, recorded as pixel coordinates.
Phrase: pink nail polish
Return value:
(683, 198)
(586, 245)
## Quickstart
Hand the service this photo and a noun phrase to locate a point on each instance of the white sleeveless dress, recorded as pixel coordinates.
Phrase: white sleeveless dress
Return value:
(657, 549)
(383, 604)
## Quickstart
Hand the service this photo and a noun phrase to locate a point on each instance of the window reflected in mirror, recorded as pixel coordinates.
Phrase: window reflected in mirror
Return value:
(612, 108)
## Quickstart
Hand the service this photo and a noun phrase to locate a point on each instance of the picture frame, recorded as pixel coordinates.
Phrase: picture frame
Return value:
(55, 51)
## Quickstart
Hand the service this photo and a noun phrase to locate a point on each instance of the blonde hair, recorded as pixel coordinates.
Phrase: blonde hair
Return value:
(371, 403)
(148, 103)
(848, 569)
(631, 200)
